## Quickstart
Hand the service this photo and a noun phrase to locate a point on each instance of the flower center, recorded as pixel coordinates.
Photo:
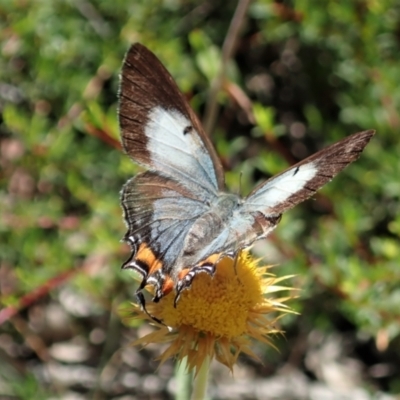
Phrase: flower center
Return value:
(218, 305)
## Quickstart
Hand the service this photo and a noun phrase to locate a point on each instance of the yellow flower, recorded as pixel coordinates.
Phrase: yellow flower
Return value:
(218, 316)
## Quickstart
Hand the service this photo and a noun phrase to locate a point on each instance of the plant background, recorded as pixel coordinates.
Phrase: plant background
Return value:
(314, 72)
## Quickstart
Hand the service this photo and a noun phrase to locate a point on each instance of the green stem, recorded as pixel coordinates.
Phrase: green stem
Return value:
(201, 380)
(183, 379)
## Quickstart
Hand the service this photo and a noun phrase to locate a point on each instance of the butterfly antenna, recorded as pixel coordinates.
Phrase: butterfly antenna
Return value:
(240, 183)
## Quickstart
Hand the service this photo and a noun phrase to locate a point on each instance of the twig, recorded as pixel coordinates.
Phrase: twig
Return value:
(36, 294)
(228, 48)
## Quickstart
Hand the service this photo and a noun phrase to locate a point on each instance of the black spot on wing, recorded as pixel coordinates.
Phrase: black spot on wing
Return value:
(188, 129)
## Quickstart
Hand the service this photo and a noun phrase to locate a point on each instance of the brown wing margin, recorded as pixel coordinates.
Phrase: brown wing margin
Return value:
(329, 162)
(145, 84)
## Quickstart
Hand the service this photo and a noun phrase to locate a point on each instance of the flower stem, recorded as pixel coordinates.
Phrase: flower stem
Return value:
(184, 380)
(201, 380)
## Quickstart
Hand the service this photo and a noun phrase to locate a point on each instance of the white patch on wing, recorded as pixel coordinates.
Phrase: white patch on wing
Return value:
(176, 153)
(283, 186)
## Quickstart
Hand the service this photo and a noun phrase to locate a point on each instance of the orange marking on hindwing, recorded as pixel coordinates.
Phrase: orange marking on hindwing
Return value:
(183, 273)
(211, 259)
(146, 255)
(167, 286)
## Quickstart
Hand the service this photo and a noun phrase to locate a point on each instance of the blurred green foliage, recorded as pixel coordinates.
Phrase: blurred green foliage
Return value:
(314, 71)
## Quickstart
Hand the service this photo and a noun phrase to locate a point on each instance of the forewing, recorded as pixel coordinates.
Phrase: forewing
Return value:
(159, 213)
(302, 180)
(160, 130)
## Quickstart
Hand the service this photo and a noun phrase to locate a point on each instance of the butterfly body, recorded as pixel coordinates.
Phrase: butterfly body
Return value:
(180, 218)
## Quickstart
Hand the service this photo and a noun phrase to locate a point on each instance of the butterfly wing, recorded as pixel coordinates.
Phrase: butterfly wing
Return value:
(261, 211)
(301, 181)
(156, 210)
(160, 130)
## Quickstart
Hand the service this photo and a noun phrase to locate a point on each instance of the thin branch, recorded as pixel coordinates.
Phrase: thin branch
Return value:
(41, 291)
(228, 49)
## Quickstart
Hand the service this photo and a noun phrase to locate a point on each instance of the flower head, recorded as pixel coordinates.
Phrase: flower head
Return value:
(220, 315)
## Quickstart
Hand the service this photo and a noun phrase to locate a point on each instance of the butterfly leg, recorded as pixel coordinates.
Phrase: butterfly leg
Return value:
(142, 303)
(139, 292)
(186, 280)
(235, 258)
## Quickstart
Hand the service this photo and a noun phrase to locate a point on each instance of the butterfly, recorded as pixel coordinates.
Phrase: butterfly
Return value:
(180, 219)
